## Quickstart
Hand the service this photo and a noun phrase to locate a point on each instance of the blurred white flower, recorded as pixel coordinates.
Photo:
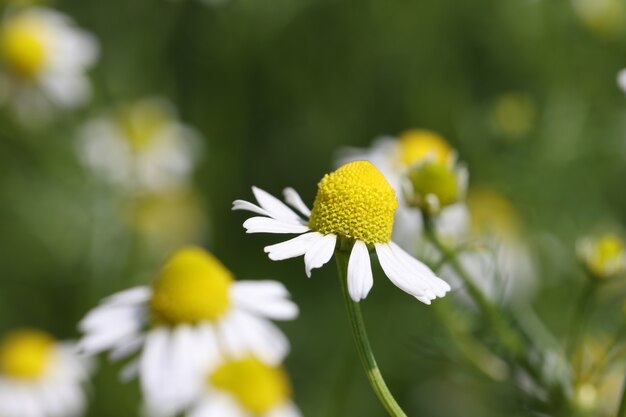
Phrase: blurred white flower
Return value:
(492, 247)
(353, 210)
(141, 146)
(245, 387)
(44, 57)
(40, 377)
(193, 304)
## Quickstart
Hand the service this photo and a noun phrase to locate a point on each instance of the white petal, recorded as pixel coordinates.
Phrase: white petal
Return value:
(153, 365)
(129, 347)
(292, 248)
(134, 295)
(319, 253)
(284, 410)
(360, 278)
(265, 298)
(278, 209)
(262, 338)
(247, 206)
(401, 277)
(293, 198)
(439, 286)
(268, 225)
(217, 406)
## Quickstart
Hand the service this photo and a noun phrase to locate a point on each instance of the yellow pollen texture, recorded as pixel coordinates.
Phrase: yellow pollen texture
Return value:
(417, 145)
(192, 286)
(256, 386)
(25, 354)
(356, 202)
(22, 46)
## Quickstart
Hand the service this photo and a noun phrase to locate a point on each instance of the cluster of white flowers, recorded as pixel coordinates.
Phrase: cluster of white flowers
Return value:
(201, 342)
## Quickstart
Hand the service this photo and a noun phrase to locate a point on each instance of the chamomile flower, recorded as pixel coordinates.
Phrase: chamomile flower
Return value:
(354, 208)
(40, 377)
(140, 146)
(194, 303)
(245, 387)
(44, 57)
(604, 256)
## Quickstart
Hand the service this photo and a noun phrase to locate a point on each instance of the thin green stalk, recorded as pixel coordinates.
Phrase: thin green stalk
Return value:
(508, 338)
(363, 345)
(578, 321)
(621, 411)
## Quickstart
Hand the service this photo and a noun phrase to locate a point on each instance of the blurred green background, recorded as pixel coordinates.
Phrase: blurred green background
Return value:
(525, 90)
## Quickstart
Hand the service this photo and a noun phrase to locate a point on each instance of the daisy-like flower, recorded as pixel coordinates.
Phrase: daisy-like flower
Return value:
(140, 146)
(40, 377)
(194, 303)
(354, 208)
(604, 256)
(245, 387)
(44, 57)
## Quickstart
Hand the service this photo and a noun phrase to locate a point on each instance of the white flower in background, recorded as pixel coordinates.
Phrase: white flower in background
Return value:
(604, 256)
(245, 387)
(437, 181)
(193, 304)
(141, 146)
(43, 59)
(354, 210)
(492, 248)
(40, 377)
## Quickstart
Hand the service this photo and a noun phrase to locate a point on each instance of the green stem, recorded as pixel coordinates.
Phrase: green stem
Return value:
(362, 343)
(621, 411)
(581, 309)
(508, 338)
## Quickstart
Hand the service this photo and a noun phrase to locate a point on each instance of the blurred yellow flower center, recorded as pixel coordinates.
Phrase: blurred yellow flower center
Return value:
(417, 145)
(608, 252)
(142, 122)
(356, 202)
(22, 46)
(491, 213)
(192, 286)
(432, 178)
(25, 354)
(256, 386)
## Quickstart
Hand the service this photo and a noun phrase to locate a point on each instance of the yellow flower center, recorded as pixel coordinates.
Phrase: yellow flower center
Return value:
(356, 202)
(256, 386)
(417, 145)
(143, 121)
(606, 255)
(25, 354)
(192, 286)
(23, 46)
(432, 178)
